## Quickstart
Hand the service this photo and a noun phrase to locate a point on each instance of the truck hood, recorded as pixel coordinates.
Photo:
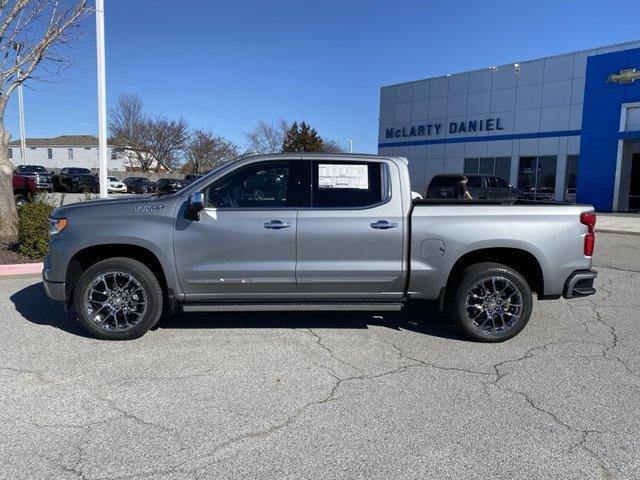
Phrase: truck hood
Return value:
(110, 203)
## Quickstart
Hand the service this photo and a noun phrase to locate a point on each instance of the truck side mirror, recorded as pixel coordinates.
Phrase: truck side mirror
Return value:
(196, 205)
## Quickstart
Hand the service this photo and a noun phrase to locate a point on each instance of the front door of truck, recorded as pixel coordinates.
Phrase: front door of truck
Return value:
(351, 232)
(244, 244)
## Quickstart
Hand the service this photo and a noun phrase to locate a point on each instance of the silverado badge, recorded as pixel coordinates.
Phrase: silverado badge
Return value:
(148, 208)
(629, 75)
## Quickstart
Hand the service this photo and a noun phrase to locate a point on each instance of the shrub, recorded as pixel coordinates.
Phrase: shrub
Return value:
(33, 229)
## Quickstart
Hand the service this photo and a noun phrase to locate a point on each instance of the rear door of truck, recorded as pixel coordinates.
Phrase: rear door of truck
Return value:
(351, 231)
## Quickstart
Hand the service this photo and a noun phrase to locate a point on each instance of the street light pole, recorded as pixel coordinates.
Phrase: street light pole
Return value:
(102, 98)
(23, 141)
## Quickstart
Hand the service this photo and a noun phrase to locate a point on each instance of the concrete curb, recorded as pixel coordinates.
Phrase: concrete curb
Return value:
(21, 269)
(617, 232)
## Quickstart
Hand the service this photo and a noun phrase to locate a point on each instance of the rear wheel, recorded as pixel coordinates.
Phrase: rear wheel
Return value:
(492, 303)
(118, 299)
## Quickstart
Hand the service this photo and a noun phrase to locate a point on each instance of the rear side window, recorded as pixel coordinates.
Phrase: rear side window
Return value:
(474, 182)
(348, 184)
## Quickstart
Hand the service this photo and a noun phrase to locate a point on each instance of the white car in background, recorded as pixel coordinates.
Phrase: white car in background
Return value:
(115, 186)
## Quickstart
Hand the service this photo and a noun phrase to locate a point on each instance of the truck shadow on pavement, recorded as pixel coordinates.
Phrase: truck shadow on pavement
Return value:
(33, 305)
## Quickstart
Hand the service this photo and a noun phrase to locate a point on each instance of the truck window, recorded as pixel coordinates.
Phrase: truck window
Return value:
(264, 185)
(474, 182)
(502, 183)
(348, 184)
(440, 181)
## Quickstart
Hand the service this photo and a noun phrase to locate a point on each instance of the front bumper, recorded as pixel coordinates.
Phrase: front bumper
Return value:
(580, 284)
(44, 185)
(54, 290)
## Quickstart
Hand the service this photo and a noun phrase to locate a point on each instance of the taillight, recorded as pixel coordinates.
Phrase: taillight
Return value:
(589, 219)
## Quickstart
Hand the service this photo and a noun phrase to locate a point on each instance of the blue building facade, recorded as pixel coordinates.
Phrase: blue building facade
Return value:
(565, 127)
(608, 171)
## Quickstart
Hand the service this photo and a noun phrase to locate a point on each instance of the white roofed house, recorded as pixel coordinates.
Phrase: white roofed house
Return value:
(67, 151)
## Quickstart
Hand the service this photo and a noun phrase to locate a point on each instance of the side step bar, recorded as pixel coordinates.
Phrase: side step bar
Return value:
(294, 307)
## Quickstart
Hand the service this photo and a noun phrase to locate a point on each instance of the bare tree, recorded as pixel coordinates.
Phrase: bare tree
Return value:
(268, 137)
(129, 127)
(331, 146)
(32, 35)
(205, 151)
(166, 138)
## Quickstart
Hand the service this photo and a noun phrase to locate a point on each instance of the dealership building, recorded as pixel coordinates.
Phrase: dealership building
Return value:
(566, 126)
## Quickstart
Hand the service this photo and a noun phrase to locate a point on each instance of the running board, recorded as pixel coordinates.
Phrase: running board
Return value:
(294, 307)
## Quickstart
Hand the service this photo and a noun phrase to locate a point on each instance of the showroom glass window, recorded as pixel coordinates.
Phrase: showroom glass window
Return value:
(263, 185)
(348, 184)
(537, 177)
(571, 178)
(498, 166)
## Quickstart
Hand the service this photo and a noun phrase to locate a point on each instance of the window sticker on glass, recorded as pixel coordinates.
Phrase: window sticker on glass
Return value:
(343, 176)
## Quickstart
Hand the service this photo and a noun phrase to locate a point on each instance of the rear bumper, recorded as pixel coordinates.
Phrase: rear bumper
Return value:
(580, 284)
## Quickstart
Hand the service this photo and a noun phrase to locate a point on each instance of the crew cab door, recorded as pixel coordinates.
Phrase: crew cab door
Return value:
(244, 245)
(350, 234)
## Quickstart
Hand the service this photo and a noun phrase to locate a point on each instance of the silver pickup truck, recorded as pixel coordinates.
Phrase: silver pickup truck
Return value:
(314, 232)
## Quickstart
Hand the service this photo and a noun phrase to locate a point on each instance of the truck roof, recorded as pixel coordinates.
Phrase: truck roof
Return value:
(320, 155)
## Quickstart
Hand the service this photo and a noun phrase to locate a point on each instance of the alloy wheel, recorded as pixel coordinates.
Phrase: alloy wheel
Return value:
(494, 305)
(115, 301)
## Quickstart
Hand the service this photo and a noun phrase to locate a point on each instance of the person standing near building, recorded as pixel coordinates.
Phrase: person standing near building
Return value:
(460, 190)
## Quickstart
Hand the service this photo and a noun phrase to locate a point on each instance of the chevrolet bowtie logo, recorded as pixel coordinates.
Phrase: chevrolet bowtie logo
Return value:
(625, 76)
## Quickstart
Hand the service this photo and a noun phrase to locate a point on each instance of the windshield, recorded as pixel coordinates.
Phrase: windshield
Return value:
(32, 168)
(80, 171)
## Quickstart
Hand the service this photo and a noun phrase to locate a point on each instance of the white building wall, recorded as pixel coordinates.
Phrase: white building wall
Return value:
(544, 95)
(85, 157)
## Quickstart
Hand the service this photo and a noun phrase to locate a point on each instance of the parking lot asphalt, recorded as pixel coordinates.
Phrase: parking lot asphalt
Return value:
(324, 396)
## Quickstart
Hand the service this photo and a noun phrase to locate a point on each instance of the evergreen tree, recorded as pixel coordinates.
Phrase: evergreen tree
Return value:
(302, 138)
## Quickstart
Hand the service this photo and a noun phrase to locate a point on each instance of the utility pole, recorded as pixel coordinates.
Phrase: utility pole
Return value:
(350, 142)
(23, 141)
(102, 98)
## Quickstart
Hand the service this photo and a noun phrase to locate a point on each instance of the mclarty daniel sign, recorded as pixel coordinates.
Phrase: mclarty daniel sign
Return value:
(483, 125)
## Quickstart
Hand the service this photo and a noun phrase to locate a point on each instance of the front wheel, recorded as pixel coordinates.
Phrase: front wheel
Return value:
(492, 303)
(20, 200)
(118, 299)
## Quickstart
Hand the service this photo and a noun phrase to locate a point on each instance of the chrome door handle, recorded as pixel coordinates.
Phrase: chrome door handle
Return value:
(383, 225)
(276, 224)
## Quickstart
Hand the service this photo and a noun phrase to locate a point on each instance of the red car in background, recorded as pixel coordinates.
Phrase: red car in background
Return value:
(24, 189)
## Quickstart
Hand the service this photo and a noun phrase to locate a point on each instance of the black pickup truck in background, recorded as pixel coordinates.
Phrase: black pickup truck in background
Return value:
(479, 186)
(76, 180)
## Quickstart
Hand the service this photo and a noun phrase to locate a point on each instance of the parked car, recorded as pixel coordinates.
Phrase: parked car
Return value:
(40, 175)
(139, 185)
(115, 186)
(75, 180)
(342, 234)
(540, 193)
(570, 195)
(191, 178)
(479, 186)
(169, 185)
(24, 189)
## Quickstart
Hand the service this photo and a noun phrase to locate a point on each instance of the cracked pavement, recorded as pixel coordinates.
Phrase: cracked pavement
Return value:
(346, 395)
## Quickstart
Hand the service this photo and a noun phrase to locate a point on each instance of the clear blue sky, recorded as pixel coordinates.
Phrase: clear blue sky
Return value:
(225, 65)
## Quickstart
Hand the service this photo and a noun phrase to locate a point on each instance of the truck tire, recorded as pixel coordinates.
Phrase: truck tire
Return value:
(492, 302)
(20, 200)
(118, 299)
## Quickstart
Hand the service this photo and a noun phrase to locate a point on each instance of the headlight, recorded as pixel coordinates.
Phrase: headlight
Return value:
(56, 225)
